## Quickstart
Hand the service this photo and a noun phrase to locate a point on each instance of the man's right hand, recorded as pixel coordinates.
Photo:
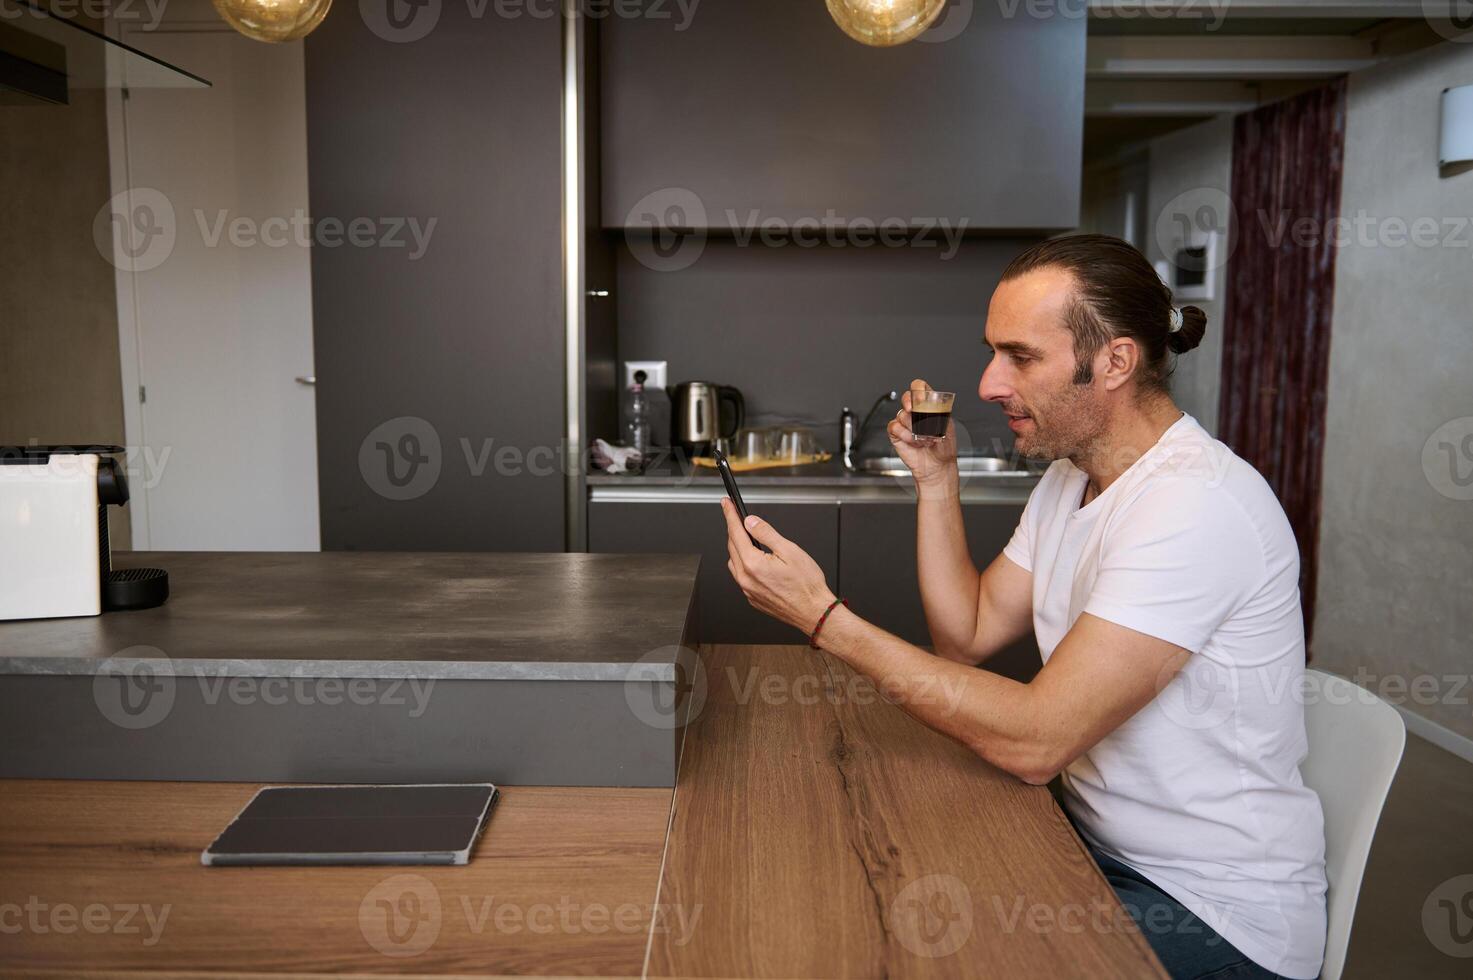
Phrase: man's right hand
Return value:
(932, 461)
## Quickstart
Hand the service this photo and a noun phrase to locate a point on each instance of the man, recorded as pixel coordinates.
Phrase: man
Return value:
(1159, 576)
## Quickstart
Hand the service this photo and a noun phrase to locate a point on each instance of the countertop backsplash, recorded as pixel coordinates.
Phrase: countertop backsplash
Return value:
(804, 332)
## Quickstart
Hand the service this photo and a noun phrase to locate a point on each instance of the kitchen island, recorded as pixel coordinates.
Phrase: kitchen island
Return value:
(815, 831)
(552, 669)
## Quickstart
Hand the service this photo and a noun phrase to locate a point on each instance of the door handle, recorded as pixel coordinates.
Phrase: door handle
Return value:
(310, 379)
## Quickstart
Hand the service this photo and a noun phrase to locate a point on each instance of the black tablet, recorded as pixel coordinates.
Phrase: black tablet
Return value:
(417, 824)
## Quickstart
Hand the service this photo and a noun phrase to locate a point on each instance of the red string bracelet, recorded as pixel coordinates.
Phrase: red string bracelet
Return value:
(813, 637)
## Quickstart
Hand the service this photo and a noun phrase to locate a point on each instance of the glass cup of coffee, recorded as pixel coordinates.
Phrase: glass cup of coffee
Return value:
(930, 411)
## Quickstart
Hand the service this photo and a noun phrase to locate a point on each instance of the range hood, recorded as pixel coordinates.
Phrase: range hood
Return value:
(44, 57)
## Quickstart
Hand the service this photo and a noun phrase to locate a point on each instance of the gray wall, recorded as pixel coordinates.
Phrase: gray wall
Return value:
(806, 331)
(463, 127)
(1396, 555)
(1191, 169)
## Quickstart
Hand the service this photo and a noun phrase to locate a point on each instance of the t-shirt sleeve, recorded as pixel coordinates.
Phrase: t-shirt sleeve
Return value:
(1177, 562)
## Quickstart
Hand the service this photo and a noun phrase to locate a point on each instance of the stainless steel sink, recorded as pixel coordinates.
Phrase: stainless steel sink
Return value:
(969, 466)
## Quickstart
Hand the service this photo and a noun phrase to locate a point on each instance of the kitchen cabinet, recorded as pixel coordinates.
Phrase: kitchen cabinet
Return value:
(763, 110)
(877, 570)
(866, 550)
(723, 615)
(437, 285)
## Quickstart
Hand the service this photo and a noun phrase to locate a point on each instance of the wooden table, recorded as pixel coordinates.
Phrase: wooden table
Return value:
(815, 831)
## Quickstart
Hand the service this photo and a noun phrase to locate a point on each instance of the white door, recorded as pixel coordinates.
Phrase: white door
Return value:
(225, 428)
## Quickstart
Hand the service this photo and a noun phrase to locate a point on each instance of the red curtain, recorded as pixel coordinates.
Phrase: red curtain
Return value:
(1287, 162)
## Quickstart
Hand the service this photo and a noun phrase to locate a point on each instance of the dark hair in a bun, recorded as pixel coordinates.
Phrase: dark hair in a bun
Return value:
(1193, 328)
(1117, 294)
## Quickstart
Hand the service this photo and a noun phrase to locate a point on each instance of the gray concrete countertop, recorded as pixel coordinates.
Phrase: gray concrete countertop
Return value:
(382, 615)
(675, 479)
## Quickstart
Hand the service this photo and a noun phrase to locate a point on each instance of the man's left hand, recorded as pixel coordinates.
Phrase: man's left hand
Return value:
(787, 585)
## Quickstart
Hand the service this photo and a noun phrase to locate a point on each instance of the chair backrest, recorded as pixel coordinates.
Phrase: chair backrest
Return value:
(1355, 745)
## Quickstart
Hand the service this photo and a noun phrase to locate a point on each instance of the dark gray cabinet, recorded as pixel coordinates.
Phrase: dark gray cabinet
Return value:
(877, 570)
(866, 550)
(686, 527)
(439, 357)
(764, 109)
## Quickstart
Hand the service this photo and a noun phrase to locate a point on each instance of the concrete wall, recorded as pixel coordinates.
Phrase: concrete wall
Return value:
(1396, 540)
(61, 381)
(1190, 171)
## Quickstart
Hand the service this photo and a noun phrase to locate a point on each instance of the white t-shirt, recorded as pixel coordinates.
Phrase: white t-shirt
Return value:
(1200, 791)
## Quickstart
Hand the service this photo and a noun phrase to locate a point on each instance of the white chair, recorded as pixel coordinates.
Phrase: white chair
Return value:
(1355, 745)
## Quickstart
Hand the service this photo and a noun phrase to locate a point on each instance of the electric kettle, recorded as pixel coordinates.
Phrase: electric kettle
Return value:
(699, 418)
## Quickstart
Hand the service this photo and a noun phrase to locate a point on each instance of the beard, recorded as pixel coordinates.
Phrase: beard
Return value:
(1063, 423)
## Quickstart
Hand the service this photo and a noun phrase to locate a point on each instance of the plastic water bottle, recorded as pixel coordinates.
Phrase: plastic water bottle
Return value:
(639, 416)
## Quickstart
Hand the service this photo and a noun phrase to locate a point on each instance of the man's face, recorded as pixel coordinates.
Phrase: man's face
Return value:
(1032, 372)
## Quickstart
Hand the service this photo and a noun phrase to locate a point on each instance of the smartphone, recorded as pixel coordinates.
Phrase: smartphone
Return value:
(724, 466)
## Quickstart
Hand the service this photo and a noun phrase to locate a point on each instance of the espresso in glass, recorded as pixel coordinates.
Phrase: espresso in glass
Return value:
(930, 411)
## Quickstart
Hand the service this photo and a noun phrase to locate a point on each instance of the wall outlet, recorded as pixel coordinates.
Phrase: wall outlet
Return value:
(655, 372)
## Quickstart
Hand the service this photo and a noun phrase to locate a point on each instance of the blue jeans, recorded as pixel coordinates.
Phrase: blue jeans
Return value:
(1188, 947)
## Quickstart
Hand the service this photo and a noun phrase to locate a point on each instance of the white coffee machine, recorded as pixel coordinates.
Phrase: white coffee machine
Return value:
(55, 557)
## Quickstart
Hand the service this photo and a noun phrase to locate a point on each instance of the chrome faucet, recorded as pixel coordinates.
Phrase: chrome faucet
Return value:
(850, 438)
